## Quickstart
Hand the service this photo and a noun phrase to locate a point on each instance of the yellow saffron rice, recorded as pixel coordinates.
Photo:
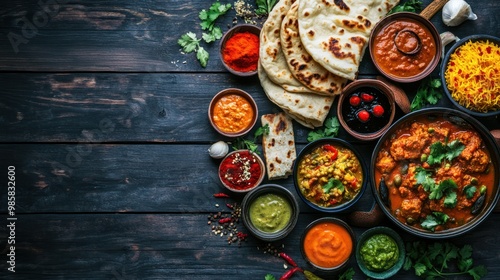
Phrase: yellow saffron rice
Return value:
(473, 76)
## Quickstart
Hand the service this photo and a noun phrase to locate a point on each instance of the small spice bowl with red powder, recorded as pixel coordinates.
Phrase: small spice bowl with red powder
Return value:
(239, 49)
(241, 171)
(366, 108)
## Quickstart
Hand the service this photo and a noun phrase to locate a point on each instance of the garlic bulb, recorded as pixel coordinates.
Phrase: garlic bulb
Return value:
(218, 149)
(457, 11)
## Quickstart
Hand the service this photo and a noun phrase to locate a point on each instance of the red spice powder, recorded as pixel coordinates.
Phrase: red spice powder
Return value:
(241, 52)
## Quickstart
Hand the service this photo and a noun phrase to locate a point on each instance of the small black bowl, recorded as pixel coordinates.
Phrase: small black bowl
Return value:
(444, 66)
(309, 148)
(263, 190)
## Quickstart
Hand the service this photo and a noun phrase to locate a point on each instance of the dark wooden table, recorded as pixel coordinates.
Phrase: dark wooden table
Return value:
(105, 122)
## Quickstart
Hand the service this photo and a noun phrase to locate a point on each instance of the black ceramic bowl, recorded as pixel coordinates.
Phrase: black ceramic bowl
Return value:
(340, 207)
(465, 121)
(444, 67)
(249, 202)
(383, 274)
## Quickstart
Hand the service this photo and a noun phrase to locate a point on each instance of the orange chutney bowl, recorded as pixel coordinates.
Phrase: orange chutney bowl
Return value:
(327, 244)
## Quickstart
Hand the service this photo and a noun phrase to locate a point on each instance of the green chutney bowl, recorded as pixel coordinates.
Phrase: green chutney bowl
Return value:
(386, 273)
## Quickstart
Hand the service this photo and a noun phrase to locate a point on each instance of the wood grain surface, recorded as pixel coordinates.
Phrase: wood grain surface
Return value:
(106, 123)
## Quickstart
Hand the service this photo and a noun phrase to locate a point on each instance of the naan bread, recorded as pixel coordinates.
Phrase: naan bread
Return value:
(307, 109)
(278, 145)
(336, 32)
(303, 67)
(270, 53)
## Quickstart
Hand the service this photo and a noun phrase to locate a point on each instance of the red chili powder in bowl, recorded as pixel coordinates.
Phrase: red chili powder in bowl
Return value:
(241, 52)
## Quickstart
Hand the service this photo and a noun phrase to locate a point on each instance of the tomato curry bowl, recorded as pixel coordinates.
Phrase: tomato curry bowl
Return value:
(435, 172)
(329, 175)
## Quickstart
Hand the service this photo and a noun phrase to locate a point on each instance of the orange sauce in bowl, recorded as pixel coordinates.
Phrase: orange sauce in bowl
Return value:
(232, 113)
(396, 63)
(328, 245)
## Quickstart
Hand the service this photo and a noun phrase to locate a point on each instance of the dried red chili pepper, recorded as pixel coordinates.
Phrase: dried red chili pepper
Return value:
(290, 273)
(288, 259)
(224, 220)
(230, 206)
(220, 195)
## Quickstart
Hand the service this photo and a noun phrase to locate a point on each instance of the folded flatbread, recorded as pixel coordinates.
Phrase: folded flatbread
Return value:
(307, 109)
(278, 145)
(336, 32)
(303, 67)
(270, 53)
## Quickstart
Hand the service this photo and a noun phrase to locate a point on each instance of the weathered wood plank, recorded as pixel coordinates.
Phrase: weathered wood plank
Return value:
(171, 246)
(103, 107)
(122, 178)
(138, 37)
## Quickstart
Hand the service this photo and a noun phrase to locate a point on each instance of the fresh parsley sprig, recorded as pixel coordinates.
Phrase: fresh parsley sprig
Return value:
(441, 260)
(189, 41)
(242, 143)
(330, 129)
(429, 92)
(414, 6)
(264, 7)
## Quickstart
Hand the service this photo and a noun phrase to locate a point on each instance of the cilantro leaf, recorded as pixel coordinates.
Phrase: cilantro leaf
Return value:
(442, 189)
(469, 191)
(331, 129)
(269, 277)
(241, 143)
(414, 6)
(450, 201)
(478, 272)
(429, 92)
(424, 178)
(188, 42)
(348, 274)
(440, 151)
(433, 220)
(454, 149)
(202, 55)
(264, 7)
(333, 184)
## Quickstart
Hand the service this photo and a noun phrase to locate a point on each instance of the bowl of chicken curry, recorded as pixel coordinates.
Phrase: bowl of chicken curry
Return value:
(435, 173)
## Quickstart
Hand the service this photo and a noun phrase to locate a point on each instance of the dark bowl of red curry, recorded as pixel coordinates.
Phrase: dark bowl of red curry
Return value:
(239, 49)
(405, 47)
(434, 163)
(241, 171)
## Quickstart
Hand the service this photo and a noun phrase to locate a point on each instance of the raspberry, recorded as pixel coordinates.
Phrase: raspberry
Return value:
(366, 97)
(378, 110)
(363, 116)
(354, 100)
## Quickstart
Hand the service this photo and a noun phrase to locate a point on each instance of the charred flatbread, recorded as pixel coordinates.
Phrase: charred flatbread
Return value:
(301, 64)
(336, 32)
(278, 145)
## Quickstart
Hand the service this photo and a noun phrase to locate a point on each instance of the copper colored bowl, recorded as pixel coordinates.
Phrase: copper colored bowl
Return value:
(414, 45)
(230, 33)
(345, 110)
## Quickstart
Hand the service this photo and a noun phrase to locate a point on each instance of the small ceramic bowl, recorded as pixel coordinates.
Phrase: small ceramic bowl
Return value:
(333, 239)
(241, 171)
(223, 122)
(338, 203)
(383, 232)
(405, 43)
(241, 28)
(370, 97)
(270, 212)
(444, 67)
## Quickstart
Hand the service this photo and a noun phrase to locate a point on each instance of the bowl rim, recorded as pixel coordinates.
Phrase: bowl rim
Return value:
(427, 23)
(342, 207)
(382, 87)
(328, 220)
(227, 35)
(261, 164)
(444, 65)
(264, 189)
(401, 248)
(241, 93)
(494, 154)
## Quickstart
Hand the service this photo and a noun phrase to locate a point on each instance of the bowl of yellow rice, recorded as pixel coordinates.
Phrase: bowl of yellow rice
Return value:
(471, 75)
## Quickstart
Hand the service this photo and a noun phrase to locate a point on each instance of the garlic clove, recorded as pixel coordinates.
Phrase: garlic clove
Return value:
(446, 38)
(218, 149)
(457, 11)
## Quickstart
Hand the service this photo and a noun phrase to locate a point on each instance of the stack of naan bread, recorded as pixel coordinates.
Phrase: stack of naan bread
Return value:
(310, 49)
